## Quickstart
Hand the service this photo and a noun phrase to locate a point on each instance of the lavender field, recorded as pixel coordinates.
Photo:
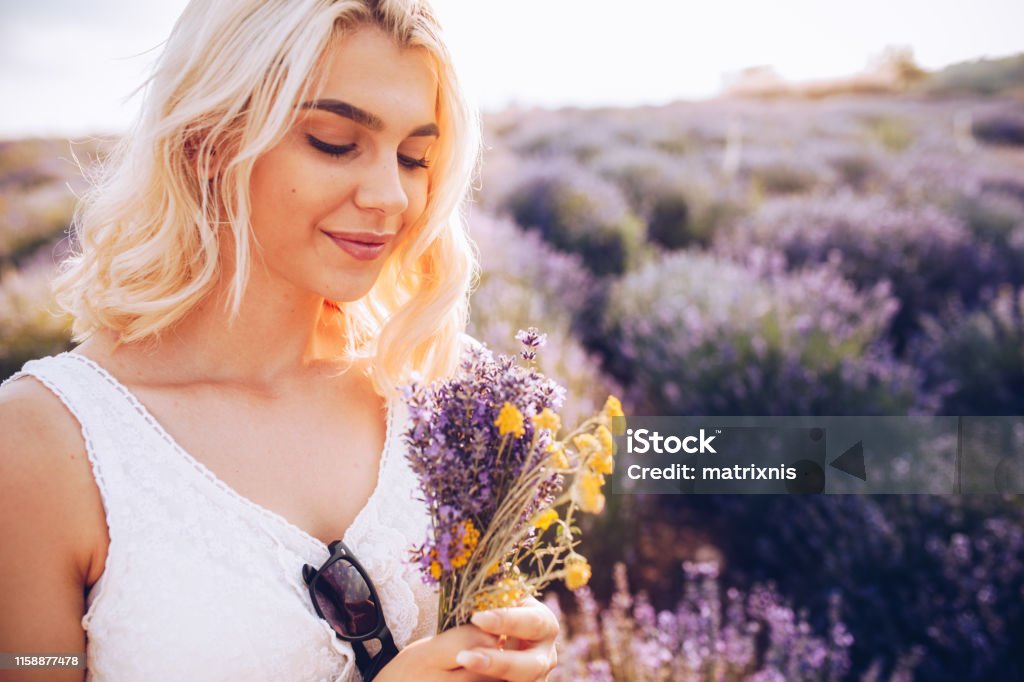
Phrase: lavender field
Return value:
(848, 256)
(843, 256)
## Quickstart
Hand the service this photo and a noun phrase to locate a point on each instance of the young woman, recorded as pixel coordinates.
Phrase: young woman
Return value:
(274, 249)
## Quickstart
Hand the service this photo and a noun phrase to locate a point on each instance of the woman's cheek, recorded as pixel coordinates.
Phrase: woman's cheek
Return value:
(417, 203)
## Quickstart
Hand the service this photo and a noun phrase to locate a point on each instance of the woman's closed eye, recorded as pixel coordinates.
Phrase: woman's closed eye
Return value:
(338, 150)
(331, 149)
(410, 162)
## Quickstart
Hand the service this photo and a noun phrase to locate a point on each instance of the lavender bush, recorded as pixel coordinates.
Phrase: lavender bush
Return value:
(890, 130)
(995, 216)
(696, 334)
(1004, 127)
(682, 202)
(1003, 177)
(928, 256)
(988, 199)
(752, 636)
(30, 325)
(773, 173)
(976, 360)
(578, 212)
(944, 574)
(580, 135)
(32, 219)
(38, 183)
(857, 168)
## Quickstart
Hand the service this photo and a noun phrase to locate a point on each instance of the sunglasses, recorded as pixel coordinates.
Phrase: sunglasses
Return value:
(343, 595)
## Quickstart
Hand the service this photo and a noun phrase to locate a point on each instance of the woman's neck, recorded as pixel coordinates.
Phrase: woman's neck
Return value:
(280, 337)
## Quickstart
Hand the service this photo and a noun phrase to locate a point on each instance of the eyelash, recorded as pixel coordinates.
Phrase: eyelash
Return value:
(341, 150)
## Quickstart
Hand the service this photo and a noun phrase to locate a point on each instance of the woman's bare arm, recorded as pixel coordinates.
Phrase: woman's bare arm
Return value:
(48, 507)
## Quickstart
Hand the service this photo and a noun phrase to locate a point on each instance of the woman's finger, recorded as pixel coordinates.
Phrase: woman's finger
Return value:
(444, 647)
(529, 665)
(533, 622)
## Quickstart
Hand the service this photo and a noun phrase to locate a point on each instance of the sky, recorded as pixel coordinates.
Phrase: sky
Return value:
(69, 67)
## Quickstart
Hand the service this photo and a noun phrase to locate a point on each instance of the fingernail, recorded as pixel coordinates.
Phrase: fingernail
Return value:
(485, 620)
(472, 659)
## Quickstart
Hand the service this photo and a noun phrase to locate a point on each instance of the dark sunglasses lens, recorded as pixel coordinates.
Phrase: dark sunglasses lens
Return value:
(345, 600)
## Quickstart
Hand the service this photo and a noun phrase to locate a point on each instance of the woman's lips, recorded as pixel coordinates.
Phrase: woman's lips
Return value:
(360, 250)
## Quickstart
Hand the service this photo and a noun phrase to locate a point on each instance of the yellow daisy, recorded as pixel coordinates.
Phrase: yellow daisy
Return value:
(510, 420)
(604, 437)
(548, 420)
(545, 519)
(612, 407)
(558, 458)
(577, 572)
(587, 491)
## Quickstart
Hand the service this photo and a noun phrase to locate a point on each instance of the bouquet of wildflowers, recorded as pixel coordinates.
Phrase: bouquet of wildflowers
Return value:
(501, 484)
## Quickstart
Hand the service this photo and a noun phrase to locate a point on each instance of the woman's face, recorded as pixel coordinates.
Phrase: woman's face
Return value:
(330, 198)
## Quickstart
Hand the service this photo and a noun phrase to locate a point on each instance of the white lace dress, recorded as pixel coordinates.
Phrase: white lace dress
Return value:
(204, 584)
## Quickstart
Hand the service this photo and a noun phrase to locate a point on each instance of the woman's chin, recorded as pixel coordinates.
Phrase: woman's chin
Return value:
(348, 294)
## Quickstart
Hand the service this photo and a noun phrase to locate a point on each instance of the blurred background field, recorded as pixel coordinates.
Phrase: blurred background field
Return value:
(848, 247)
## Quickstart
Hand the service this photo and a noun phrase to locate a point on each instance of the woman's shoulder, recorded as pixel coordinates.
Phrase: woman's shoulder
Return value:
(37, 434)
(31, 413)
(35, 397)
(43, 458)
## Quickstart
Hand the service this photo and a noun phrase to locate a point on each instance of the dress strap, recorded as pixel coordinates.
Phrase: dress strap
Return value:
(100, 412)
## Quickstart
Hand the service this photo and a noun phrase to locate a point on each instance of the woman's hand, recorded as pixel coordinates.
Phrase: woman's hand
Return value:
(433, 659)
(529, 652)
(471, 653)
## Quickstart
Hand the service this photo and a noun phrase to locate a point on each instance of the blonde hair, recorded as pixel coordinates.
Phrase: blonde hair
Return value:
(228, 80)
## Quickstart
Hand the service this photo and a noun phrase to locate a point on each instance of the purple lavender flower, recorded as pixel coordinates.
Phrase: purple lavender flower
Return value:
(532, 340)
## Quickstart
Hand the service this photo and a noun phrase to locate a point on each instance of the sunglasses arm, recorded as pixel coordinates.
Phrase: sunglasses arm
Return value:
(387, 644)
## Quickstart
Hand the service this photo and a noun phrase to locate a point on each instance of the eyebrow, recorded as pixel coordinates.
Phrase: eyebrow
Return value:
(363, 117)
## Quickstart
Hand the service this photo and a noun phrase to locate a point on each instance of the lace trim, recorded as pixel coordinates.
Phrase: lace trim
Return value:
(285, 559)
(202, 469)
(374, 545)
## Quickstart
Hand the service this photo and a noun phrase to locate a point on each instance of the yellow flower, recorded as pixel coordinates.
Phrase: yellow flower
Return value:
(469, 537)
(601, 463)
(558, 459)
(507, 592)
(604, 437)
(435, 570)
(587, 491)
(601, 445)
(612, 408)
(548, 420)
(586, 444)
(577, 572)
(545, 519)
(510, 420)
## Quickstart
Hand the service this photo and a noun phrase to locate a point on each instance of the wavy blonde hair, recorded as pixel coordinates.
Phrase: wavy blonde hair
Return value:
(229, 80)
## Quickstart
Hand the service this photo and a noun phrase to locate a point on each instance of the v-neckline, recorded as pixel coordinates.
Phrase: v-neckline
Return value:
(226, 488)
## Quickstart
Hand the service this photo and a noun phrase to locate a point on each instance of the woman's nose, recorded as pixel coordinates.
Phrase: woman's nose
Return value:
(381, 188)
